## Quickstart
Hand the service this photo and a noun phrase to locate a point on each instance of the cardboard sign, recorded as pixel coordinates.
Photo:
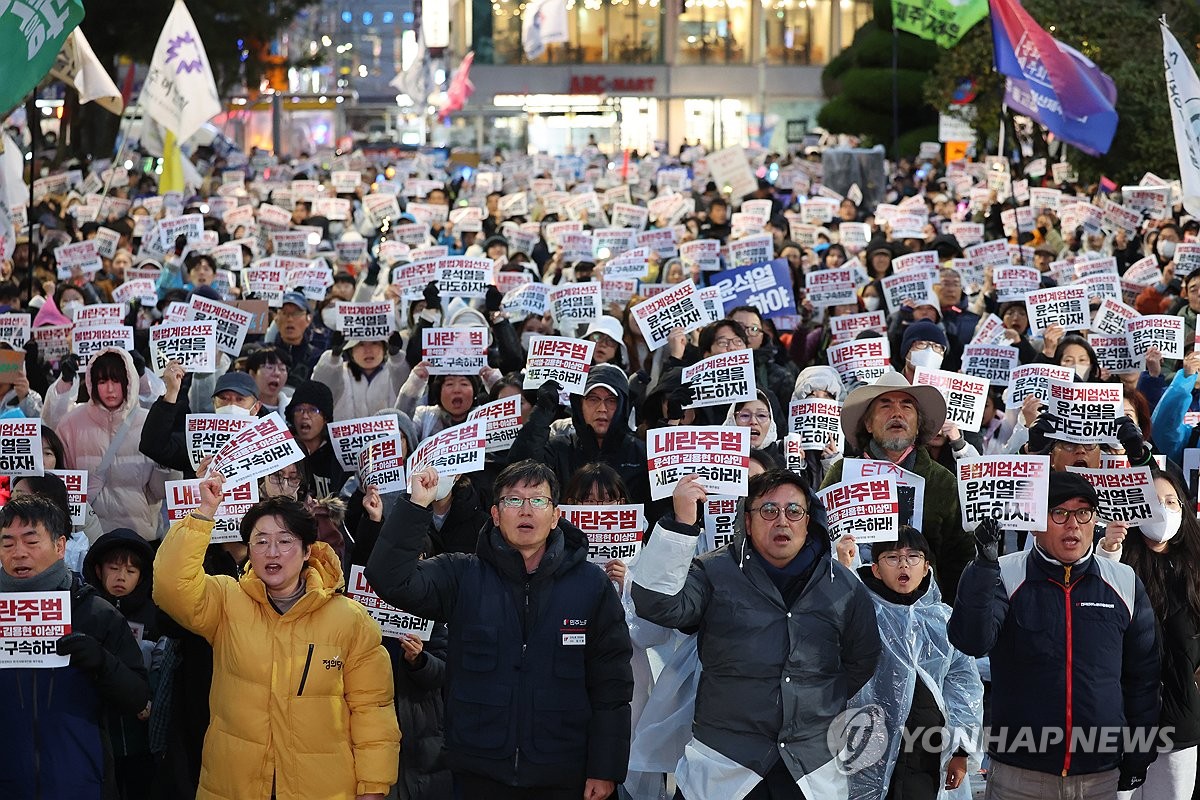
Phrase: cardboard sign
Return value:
(831, 287)
(1009, 489)
(503, 420)
(576, 303)
(751, 251)
(677, 307)
(530, 299)
(349, 437)
(232, 324)
(463, 277)
(1157, 331)
(767, 287)
(1066, 306)
(81, 256)
(76, 481)
(868, 510)
(1087, 412)
(21, 447)
(993, 363)
(370, 322)
(915, 285)
(263, 447)
(454, 351)
(614, 533)
(381, 464)
(206, 434)
(183, 497)
(1113, 318)
(454, 451)
(965, 395)
(1034, 379)
(192, 344)
(561, 359)
(720, 455)
(722, 379)
(816, 422)
(393, 622)
(863, 360)
(87, 342)
(31, 623)
(1126, 495)
(847, 327)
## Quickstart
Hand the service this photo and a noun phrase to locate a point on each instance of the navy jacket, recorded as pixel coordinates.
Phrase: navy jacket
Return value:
(1072, 648)
(538, 665)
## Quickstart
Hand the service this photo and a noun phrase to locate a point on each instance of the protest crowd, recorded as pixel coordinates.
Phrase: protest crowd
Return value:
(555, 477)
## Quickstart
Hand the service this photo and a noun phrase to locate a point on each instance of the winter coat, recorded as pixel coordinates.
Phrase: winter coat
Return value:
(1072, 648)
(55, 743)
(539, 683)
(774, 676)
(130, 494)
(916, 647)
(303, 699)
(420, 709)
(360, 397)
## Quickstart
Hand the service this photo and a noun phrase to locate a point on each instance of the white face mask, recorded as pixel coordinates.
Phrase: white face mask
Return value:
(1162, 531)
(1082, 371)
(871, 303)
(527, 339)
(926, 358)
(445, 485)
(70, 307)
(1166, 248)
(233, 410)
(329, 317)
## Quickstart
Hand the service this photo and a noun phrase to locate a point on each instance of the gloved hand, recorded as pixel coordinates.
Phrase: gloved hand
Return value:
(180, 245)
(547, 396)
(493, 299)
(1130, 437)
(641, 376)
(395, 343)
(679, 397)
(1131, 776)
(372, 277)
(85, 651)
(68, 368)
(433, 298)
(1040, 431)
(987, 541)
(336, 342)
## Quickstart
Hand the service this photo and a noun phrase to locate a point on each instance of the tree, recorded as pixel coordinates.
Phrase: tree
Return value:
(859, 85)
(1122, 38)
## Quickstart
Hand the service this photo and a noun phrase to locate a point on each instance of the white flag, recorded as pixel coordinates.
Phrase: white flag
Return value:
(544, 22)
(180, 93)
(78, 66)
(1183, 96)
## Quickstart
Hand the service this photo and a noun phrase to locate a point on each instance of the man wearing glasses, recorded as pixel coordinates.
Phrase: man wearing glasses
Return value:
(786, 637)
(1074, 656)
(539, 681)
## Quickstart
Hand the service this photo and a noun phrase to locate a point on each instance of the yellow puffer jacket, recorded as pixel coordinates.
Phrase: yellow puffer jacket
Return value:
(304, 698)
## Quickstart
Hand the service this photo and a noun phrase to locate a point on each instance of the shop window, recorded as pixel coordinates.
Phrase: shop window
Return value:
(714, 32)
(601, 32)
(801, 31)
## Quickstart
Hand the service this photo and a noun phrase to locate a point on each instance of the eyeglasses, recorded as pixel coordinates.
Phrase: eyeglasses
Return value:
(753, 330)
(597, 400)
(934, 346)
(746, 417)
(729, 343)
(279, 480)
(306, 410)
(770, 511)
(909, 559)
(284, 544)
(1076, 447)
(1172, 503)
(536, 503)
(271, 367)
(1082, 515)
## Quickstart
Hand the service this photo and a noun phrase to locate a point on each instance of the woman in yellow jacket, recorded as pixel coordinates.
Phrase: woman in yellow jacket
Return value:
(302, 687)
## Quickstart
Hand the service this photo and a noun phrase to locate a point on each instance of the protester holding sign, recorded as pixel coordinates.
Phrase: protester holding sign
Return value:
(343, 745)
(364, 374)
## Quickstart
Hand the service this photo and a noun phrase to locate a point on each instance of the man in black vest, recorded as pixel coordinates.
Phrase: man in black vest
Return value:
(538, 665)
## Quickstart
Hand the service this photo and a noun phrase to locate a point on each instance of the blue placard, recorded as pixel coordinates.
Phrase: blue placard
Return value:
(766, 286)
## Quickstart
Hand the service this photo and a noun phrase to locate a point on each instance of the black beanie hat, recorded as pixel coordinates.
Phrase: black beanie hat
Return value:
(314, 394)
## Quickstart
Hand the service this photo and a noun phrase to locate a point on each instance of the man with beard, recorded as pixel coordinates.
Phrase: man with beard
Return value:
(891, 420)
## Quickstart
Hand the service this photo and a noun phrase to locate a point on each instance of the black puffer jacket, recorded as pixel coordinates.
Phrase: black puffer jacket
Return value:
(137, 606)
(420, 710)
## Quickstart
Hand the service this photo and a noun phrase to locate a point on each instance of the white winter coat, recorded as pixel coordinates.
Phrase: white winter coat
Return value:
(353, 398)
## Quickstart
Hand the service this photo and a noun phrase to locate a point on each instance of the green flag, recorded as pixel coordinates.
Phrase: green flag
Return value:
(941, 21)
(32, 32)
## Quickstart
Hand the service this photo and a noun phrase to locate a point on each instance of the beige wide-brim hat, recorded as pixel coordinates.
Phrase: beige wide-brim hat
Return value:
(928, 399)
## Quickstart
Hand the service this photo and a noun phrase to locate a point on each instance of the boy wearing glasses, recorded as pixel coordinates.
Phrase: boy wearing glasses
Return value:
(928, 690)
(1074, 656)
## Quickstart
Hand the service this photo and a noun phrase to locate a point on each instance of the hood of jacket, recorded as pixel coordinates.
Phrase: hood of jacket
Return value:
(823, 378)
(322, 577)
(565, 547)
(408, 428)
(772, 433)
(131, 389)
(612, 378)
(129, 539)
(668, 381)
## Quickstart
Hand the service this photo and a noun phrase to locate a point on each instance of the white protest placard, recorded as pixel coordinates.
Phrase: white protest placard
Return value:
(1010, 489)
(266, 282)
(1065, 305)
(454, 351)
(678, 307)
(989, 331)
(965, 395)
(31, 623)
(294, 244)
(719, 522)
(393, 623)
(854, 235)
(345, 181)
(633, 263)
(81, 256)
(864, 360)
(531, 299)
(232, 323)
(107, 242)
(576, 303)
(463, 277)
(381, 464)
(503, 419)
(87, 342)
(1144, 272)
(751, 250)
(1114, 354)
(704, 254)
(192, 344)
(1034, 379)
(76, 481)
(1013, 284)
(618, 291)
(371, 322)
(731, 172)
(454, 451)
(1112, 318)
(313, 280)
(722, 379)
(15, 329)
(206, 434)
(661, 241)
(99, 314)
(183, 497)
(612, 241)
(1087, 412)
(987, 254)
(966, 233)
(264, 446)
(1126, 495)
(561, 359)
(1150, 201)
(831, 287)
(718, 454)
(411, 279)
(21, 447)
(868, 509)
(189, 226)
(54, 342)
(614, 533)
(910, 487)
(993, 363)
(846, 327)
(627, 215)
(915, 285)
(816, 422)
(349, 437)
(922, 259)
(1157, 331)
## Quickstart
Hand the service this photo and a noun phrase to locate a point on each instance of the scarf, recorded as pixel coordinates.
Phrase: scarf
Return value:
(55, 578)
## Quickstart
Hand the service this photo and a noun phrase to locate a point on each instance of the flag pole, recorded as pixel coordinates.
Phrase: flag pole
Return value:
(895, 92)
(33, 156)
(127, 115)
